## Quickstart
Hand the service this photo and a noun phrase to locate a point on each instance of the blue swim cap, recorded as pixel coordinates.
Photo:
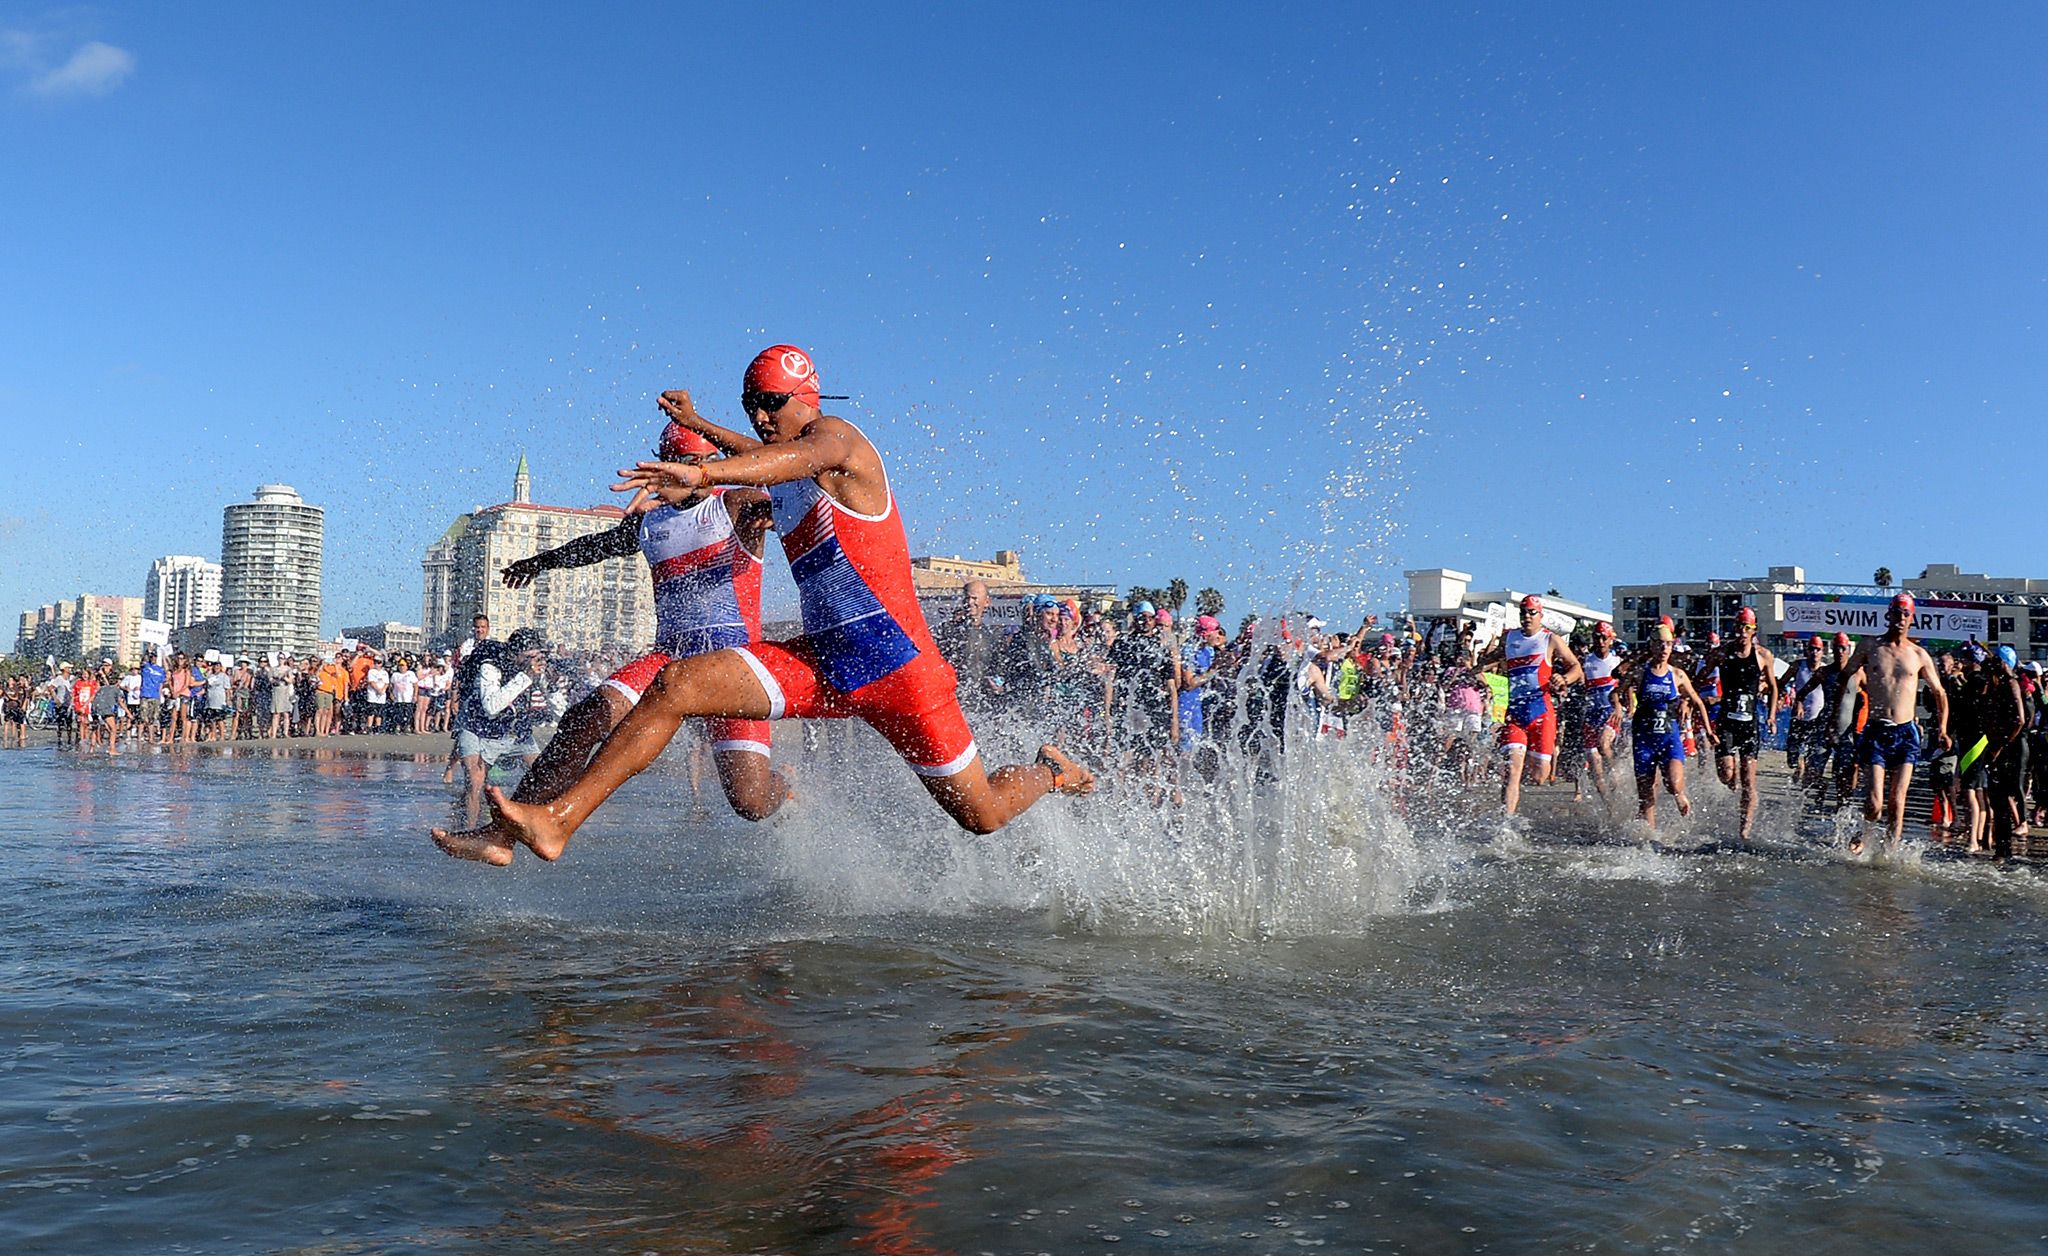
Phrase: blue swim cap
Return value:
(1144, 608)
(2009, 656)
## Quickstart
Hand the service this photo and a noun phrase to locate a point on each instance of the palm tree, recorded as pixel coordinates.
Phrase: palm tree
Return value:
(1882, 578)
(1209, 602)
(1176, 594)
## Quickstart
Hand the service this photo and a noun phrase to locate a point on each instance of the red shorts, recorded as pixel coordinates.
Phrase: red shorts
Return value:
(915, 708)
(632, 680)
(1538, 736)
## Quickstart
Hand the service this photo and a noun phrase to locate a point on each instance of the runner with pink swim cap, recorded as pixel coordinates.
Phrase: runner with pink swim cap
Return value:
(865, 651)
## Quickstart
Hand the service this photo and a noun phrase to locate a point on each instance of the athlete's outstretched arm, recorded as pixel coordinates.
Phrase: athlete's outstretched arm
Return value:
(824, 446)
(584, 550)
(676, 404)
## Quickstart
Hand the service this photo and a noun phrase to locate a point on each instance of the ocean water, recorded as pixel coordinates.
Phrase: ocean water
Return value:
(246, 1006)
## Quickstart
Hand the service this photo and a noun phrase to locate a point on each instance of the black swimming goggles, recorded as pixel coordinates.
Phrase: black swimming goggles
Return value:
(772, 402)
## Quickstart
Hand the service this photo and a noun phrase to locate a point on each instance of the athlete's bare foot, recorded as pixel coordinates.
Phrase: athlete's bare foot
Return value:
(485, 844)
(1684, 804)
(1068, 777)
(530, 824)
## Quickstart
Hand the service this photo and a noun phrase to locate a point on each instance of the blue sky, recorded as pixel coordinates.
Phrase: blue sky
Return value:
(1281, 298)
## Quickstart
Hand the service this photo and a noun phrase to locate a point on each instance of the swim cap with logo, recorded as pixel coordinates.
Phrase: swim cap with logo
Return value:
(783, 369)
(679, 442)
(1747, 615)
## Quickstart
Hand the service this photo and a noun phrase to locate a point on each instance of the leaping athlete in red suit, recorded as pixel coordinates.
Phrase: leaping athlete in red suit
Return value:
(865, 651)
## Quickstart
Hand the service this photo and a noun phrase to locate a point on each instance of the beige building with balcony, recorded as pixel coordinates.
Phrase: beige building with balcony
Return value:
(604, 609)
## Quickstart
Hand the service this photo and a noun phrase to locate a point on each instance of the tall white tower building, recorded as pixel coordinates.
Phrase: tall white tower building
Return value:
(182, 590)
(270, 551)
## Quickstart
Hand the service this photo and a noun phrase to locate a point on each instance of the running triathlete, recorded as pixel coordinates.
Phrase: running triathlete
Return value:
(1838, 739)
(1535, 660)
(1749, 696)
(1806, 738)
(1659, 741)
(1707, 678)
(1892, 668)
(865, 652)
(705, 557)
(1602, 666)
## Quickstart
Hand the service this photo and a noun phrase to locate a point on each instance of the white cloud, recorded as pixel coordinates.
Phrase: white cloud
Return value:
(94, 70)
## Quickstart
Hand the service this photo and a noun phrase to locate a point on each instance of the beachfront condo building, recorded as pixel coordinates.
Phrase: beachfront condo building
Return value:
(270, 550)
(181, 590)
(603, 610)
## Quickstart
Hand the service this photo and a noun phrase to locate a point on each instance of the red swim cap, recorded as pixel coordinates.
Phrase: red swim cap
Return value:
(1532, 603)
(783, 369)
(1904, 602)
(679, 442)
(1747, 615)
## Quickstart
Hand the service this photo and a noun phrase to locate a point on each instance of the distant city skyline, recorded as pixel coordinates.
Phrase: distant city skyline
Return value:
(1285, 305)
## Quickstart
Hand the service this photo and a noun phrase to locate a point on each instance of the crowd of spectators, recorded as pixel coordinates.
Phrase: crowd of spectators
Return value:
(1123, 685)
(186, 700)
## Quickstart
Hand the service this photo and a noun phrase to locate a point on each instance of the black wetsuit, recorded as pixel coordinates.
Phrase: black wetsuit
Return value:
(1739, 728)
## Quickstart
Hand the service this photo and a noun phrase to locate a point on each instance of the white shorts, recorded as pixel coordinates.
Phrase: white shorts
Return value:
(1467, 722)
(491, 749)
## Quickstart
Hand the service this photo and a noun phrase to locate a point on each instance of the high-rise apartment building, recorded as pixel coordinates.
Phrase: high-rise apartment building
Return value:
(182, 589)
(270, 551)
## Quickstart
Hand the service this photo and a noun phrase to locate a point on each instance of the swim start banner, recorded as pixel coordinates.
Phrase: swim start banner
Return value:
(1864, 617)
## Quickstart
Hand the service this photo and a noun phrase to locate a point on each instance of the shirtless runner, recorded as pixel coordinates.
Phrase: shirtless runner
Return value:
(1891, 669)
(704, 554)
(865, 652)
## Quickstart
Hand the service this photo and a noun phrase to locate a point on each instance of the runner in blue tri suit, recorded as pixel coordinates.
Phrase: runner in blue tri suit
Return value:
(1662, 692)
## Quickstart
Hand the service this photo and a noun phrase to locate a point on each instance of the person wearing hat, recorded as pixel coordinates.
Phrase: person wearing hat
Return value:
(498, 710)
(1892, 669)
(1661, 697)
(2005, 727)
(1804, 739)
(865, 651)
(1837, 736)
(1746, 675)
(1031, 659)
(2037, 739)
(1536, 662)
(57, 690)
(1603, 668)
(1140, 695)
(1197, 668)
